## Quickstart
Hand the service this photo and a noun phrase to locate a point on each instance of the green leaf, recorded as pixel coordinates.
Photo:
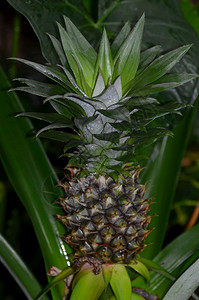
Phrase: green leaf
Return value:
(107, 294)
(159, 67)
(59, 50)
(172, 258)
(136, 297)
(80, 42)
(18, 269)
(89, 287)
(129, 54)
(48, 72)
(43, 19)
(58, 136)
(167, 162)
(104, 62)
(27, 168)
(169, 34)
(147, 56)
(120, 282)
(166, 82)
(67, 102)
(185, 285)
(140, 268)
(156, 267)
(76, 59)
(47, 117)
(39, 88)
(107, 273)
(112, 136)
(60, 277)
(72, 144)
(119, 113)
(54, 126)
(120, 38)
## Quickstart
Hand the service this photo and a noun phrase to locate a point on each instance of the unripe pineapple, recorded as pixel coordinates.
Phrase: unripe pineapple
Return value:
(105, 100)
(106, 219)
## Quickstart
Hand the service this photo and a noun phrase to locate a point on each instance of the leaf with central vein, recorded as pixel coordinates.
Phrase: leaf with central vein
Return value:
(104, 59)
(122, 35)
(129, 54)
(184, 286)
(80, 42)
(59, 136)
(72, 51)
(38, 88)
(49, 72)
(158, 68)
(147, 56)
(47, 117)
(166, 82)
(120, 282)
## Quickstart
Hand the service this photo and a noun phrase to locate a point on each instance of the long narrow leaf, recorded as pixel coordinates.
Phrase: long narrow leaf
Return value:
(161, 175)
(172, 258)
(159, 67)
(120, 282)
(184, 287)
(28, 169)
(18, 269)
(129, 53)
(60, 277)
(104, 59)
(80, 42)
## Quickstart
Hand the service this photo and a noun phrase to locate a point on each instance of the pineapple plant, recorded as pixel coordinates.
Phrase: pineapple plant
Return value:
(105, 111)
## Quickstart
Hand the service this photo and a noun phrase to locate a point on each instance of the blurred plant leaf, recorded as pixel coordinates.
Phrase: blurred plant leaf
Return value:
(20, 272)
(120, 282)
(28, 168)
(185, 285)
(60, 277)
(140, 268)
(88, 287)
(173, 258)
(161, 173)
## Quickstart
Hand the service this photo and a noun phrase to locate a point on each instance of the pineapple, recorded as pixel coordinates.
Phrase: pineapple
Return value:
(106, 111)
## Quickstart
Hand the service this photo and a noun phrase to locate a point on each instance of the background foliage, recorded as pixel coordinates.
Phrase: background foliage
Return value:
(33, 178)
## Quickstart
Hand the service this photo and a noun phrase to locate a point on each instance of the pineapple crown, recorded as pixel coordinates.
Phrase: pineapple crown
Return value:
(104, 102)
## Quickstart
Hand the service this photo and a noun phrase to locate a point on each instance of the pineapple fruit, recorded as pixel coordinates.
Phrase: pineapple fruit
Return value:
(105, 110)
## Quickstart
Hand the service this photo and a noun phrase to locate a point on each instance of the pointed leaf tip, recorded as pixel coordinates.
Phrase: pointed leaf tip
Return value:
(129, 53)
(89, 287)
(120, 282)
(140, 268)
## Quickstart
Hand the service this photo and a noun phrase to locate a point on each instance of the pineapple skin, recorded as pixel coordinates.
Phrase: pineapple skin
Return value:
(105, 219)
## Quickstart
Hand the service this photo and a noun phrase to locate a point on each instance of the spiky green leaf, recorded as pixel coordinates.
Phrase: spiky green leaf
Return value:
(120, 282)
(147, 56)
(140, 268)
(120, 38)
(164, 83)
(47, 117)
(77, 60)
(158, 68)
(185, 285)
(59, 136)
(80, 42)
(39, 88)
(49, 72)
(61, 276)
(104, 62)
(129, 54)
